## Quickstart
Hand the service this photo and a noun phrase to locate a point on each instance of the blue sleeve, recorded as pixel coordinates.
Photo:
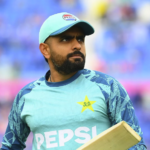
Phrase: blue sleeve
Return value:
(120, 108)
(17, 130)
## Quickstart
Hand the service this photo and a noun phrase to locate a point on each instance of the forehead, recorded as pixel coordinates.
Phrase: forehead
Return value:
(75, 31)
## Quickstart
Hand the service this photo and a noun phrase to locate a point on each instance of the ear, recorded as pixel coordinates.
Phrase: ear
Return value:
(45, 50)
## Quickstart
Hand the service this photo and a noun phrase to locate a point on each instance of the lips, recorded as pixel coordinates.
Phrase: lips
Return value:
(76, 54)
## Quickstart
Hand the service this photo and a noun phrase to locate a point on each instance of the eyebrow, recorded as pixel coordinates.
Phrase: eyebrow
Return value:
(71, 37)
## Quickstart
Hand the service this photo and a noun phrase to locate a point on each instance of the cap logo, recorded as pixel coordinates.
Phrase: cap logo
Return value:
(68, 17)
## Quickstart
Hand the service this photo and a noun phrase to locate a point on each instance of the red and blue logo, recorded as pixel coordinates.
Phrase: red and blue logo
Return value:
(68, 17)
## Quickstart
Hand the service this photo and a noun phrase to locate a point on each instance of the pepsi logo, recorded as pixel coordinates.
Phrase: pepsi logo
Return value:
(68, 17)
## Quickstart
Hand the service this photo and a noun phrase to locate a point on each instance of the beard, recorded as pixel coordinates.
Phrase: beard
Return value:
(64, 66)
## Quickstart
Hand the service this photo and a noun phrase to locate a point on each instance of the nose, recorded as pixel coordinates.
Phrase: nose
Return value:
(76, 45)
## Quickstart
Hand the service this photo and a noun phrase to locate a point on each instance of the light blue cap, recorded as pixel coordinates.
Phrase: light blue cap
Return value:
(59, 23)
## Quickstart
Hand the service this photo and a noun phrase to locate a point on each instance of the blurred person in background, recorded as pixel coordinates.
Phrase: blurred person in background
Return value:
(69, 99)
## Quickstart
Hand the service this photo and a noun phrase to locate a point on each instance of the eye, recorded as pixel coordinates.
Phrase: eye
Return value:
(64, 40)
(81, 39)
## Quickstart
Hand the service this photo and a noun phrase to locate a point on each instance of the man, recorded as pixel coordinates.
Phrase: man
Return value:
(70, 105)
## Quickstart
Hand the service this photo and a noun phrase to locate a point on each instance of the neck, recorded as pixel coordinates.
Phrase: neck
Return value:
(57, 77)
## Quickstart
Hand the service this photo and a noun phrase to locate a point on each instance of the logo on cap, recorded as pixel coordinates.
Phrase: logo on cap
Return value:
(68, 17)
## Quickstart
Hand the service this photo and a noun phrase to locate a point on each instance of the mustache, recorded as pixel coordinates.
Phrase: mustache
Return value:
(76, 53)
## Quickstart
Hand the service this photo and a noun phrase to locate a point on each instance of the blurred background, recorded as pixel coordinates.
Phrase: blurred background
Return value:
(119, 47)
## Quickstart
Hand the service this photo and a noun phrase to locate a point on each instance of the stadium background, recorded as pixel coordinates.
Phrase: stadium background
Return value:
(119, 47)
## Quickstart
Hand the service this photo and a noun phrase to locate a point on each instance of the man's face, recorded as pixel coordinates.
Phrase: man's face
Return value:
(67, 51)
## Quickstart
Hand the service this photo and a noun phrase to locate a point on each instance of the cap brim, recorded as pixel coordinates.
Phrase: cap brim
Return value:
(86, 27)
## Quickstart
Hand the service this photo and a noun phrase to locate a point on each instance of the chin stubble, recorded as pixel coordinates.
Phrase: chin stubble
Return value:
(66, 66)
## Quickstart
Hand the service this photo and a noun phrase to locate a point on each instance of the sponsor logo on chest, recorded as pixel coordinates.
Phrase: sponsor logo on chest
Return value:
(81, 136)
